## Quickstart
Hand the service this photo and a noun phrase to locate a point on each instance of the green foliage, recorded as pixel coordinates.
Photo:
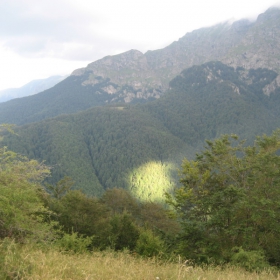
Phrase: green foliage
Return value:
(27, 212)
(156, 217)
(105, 148)
(140, 147)
(120, 201)
(230, 197)
(251, 261)
(115, 220)
(60, 188)
(74, 243)
(149, 215)
(22, 212)
(6, 126)
(149, 245)
(124, 233)
(78, 213)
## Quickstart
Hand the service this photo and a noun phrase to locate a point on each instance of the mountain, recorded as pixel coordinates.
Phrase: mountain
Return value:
(241, 43)
(134, 77)
(261, 45)
(97, 126)
(31, 88)
(140, 147)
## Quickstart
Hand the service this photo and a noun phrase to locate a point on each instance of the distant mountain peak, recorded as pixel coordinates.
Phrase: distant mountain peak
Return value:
(241, 43)
(30, 88)
(132, 76)
(269, 14)
(122, 60)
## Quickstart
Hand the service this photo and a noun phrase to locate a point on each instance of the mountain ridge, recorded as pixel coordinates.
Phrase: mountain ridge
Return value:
(133, 77)
(219, 42)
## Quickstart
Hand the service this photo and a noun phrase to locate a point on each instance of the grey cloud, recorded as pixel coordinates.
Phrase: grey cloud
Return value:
(28, 31)
(26, 45)
(91, 50)
(17, 19)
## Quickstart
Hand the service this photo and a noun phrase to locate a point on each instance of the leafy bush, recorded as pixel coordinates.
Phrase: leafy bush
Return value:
(250, 260)
(124, 233)
(22, 212)
(74, 243)
(148, 244)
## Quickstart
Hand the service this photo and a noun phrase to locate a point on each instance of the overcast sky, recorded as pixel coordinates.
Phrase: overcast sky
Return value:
(41, 38)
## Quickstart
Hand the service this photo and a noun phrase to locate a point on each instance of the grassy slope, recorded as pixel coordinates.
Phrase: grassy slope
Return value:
(30, 263)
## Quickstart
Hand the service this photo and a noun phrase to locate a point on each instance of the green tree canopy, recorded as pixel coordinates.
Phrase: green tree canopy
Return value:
(230, 197)
(22, 212)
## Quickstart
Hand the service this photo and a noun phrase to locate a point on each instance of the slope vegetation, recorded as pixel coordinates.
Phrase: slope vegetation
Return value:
(139, 147)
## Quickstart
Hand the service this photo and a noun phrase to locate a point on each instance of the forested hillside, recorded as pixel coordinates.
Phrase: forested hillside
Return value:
(140, 147)
(64, 98)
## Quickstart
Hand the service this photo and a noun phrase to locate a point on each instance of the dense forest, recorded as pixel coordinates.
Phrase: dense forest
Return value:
(226, 210)
(140, 147)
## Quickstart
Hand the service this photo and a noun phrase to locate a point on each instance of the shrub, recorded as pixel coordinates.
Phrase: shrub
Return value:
(250, 260)
(124, 233)
(73, 242)
(148, 244)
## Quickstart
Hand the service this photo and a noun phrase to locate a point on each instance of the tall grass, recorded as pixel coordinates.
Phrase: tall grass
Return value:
(27, 262)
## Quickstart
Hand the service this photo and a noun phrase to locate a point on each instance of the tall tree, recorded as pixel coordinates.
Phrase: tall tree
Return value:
(22, 212)
(230, 196)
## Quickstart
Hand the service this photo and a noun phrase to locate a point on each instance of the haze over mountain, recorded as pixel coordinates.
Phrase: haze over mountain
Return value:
(31, 88)
(241, 43)
(136, 77)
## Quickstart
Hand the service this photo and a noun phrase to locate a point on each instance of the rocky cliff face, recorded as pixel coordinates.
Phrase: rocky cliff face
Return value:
(134, 75)
(260, 47)
(130, 74)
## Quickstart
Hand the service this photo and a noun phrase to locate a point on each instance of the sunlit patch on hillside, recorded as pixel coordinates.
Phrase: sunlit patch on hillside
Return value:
(150, 181)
